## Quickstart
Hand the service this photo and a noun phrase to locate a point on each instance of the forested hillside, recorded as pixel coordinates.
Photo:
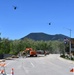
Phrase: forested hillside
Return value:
(45, 37)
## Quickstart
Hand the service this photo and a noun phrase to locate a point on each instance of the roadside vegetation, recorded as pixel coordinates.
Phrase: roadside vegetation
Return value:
(66, 52)
(15, 46)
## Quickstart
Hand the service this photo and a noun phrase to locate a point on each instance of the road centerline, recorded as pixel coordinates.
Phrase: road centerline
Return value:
(32, 64)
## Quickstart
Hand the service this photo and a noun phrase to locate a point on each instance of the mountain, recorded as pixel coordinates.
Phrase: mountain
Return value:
(45, 37)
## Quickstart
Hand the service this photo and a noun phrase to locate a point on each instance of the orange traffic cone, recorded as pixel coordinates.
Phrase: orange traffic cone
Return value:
(12, 71)
(2, 71)
(72, 70)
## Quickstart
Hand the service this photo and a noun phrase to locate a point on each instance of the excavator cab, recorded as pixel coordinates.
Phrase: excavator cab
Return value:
(30, 52)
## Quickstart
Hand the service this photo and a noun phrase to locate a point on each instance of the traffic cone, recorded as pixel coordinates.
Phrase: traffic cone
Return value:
(12, 71)
(72, 70)
(2, 71)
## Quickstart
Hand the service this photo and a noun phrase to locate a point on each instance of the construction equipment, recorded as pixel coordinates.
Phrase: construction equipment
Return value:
(30, 52)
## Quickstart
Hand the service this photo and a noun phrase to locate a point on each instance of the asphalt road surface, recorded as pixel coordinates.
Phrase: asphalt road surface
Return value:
(43, 65)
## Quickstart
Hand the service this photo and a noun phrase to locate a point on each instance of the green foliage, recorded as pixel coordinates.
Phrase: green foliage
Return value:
(4, 46)
(16, 46)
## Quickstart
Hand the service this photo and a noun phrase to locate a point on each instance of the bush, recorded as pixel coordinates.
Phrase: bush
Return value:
(63, 56)
(67, 57)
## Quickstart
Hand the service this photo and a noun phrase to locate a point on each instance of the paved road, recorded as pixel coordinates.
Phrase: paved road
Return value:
(48, 65)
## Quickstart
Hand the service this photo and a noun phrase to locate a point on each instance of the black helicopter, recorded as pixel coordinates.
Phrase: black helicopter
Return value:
(14, 7)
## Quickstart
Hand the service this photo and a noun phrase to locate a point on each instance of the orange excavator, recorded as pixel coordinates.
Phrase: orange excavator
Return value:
(30, 52)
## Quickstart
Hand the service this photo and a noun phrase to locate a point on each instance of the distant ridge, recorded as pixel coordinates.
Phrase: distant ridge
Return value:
(45, 37)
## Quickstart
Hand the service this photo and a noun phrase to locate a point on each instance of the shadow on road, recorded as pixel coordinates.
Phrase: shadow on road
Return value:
(35, 56)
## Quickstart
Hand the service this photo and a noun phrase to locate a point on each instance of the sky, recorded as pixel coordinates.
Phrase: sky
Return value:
(34, 16)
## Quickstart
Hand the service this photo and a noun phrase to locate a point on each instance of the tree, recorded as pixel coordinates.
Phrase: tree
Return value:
(5, 46)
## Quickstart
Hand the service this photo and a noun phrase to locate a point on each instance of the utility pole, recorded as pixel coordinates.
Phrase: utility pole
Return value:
(70, 42)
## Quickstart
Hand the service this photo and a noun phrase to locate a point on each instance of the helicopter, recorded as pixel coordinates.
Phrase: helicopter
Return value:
(50, 23)
(14, 7)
